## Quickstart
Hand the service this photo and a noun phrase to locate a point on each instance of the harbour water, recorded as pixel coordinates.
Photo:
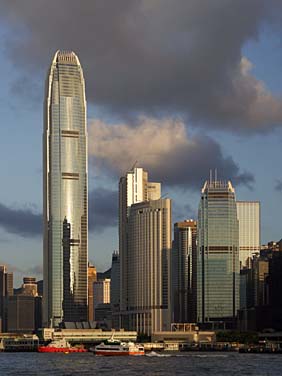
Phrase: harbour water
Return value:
(189, 364)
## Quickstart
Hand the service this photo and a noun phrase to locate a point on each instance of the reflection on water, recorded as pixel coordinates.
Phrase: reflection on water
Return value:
(213, 364)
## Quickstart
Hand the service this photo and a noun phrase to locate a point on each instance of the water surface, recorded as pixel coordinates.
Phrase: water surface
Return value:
(190, 364)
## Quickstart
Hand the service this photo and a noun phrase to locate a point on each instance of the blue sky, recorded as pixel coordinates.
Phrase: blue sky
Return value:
(255, 149)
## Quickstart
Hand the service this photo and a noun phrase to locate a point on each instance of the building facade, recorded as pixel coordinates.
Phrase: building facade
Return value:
(6, 290)
(248, 213)
(218, 271)
(102, 293)
(133, 188)
(184, 271)
(115, 293)
(65, 192)
(92, 277)
(149, 244)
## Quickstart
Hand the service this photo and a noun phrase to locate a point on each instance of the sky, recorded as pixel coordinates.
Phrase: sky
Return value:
(181, 87)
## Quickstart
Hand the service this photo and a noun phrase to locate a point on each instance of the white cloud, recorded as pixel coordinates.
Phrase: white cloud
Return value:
(164, 148)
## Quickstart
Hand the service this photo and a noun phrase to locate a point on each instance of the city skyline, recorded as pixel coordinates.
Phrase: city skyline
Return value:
(186, 138)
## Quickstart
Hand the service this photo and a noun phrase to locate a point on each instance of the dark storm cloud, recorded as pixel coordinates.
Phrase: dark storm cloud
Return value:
(278, 185)
(182, 212)
(103, 209)
(164, 148)
(23, 222)
(152, 57)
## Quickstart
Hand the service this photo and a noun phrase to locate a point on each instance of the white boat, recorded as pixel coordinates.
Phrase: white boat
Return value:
(112, 347)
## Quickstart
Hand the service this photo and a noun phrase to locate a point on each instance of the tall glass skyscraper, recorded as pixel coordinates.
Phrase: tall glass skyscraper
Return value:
(218, 254)
(65, 192)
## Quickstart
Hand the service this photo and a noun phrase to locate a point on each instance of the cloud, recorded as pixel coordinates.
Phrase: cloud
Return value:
(35, 270)
(103, 209)
(154, 57)
(23, 222)
(278, 185)
(182, 211)
(165, 150)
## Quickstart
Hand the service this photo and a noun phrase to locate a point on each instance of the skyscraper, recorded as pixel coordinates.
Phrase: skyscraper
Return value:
(184, 271)
(149, 253)
(249, 230)
(6, 290)
(65, 192)
(133, 188)
(218, 253)
(115, 286)
(92, 277)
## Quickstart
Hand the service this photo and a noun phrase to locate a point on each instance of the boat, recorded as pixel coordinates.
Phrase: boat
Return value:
(112, 347)
(61, 346)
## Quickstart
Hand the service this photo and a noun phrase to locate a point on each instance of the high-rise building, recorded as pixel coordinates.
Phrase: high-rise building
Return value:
(6, 290)
(133, 188)
(248, 213)
(218, 271)
(29, 287)
(149, 253)
(115, 293)
(65, 192)
(184, 271)
(102, 292)
(92, 277)
(24, 313)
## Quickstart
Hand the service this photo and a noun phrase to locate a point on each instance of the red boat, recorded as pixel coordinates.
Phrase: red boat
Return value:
(61, 346)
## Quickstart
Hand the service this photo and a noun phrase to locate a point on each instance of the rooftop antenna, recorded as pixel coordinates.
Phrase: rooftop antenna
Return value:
(134, 165)
(215, 174)
(210, 176)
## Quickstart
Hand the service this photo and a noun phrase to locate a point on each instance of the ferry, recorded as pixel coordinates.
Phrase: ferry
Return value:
(112, 347)
(61, 346)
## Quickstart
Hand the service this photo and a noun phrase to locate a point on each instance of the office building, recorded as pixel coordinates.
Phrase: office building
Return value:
(149, 253)
(92, 277)
(102, 292)
(65, 192)
(184, 271)
(28, 288)
(133, 188)
(24, 313)
(6, 290)
(248, 213)
(115, 293)
(40, 287)
(218, 271)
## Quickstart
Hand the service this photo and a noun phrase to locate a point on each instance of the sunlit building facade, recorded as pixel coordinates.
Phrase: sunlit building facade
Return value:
(92, 277)
(218, 271)
(149, 245)
(134, 187)
(249, 231)
(65, 192)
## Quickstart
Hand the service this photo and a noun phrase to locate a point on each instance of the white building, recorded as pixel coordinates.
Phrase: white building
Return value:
(149, 245)
(248, 213)
(133, 188)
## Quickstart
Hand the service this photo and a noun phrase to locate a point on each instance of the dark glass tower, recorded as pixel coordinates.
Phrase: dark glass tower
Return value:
(218, 270)
(65, 192)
